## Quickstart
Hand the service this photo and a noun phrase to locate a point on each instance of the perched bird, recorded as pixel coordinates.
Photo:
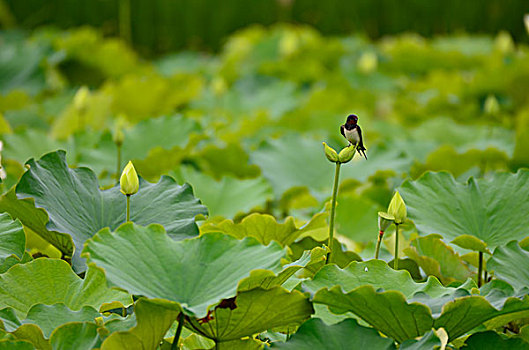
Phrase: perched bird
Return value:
(352, 132)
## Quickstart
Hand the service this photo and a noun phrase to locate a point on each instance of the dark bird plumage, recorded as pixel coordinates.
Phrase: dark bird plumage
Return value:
(352, 132)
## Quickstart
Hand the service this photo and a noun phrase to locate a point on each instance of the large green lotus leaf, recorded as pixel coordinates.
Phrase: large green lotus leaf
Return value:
(252, 312)
(262, 227)
(355, 289)
(265, 279)
(294, 161)
(21, 64)
(28, 144)
(230, 160)
(75, 335)
(35, 219)
(464, 314)
(52, 281)
(448, 159)
(12, 239)
(491, 340)
(229, 196)
(356, 218)
(153, 321)
(195, 273)
(7, 344)
(492, 210)
(377, 274)
(33, 334)
(427, 342)
(49, 317)
(75, 205)
(314, 334)
(341, 256)
(388, 311)
(506, 262)
(437, 259)
(165, 132)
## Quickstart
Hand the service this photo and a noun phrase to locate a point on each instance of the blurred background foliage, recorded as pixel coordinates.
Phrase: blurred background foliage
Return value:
(160, 26)
(242, 118)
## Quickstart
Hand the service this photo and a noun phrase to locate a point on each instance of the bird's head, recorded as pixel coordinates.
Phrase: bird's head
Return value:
(352, 119)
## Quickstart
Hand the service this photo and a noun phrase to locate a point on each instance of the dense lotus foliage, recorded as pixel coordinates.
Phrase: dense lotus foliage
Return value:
(228, 238)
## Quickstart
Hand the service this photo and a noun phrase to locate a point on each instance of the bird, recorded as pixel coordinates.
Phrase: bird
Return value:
(352, 132)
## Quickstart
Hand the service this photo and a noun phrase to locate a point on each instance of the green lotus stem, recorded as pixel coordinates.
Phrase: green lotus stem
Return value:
(174, 345)
(118, 172)
(480, 268)
(396, 261)
(128, 207)
(379, 240)
(333, 210)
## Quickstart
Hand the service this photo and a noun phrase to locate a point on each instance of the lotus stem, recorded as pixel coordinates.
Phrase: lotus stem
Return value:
(396, 261)
(379, 241)
(480, 268)
(128, 207)
(333, 210)
(174, 345)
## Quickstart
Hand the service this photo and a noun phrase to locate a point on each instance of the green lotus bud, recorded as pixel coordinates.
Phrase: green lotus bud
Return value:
(347, 154)
(80, 98)
(384, 221)
(129, 182)
(118, 135)
(397, 208)
(492, 106)
(330, 153)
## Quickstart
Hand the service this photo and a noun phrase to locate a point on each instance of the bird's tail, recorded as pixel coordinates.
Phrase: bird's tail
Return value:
(361, 149)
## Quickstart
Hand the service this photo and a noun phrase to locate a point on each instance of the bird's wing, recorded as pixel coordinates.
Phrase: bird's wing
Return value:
(341, 130)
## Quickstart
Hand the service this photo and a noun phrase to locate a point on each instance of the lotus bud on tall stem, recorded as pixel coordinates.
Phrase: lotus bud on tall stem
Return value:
(80, 103)
(344, 156)
(129, 184)
(397, 211)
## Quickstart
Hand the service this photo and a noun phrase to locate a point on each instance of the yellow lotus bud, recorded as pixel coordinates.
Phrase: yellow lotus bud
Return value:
(397, 208)
(80, 98)
(129, 182)
(368, 62)
(526, 22)
(492, 106)
(330, 153)
(347, 154)
(384, 220)
(504, 43)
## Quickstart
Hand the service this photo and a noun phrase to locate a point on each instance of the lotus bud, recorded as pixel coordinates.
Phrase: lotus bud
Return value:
(504, 43)
(368, 62)
(118, 135)
(80, 98)
(129, 182)
(384, 221)
(397, 209)
(347, 154)
(330, 153)
(492, 106)
(526, 22)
